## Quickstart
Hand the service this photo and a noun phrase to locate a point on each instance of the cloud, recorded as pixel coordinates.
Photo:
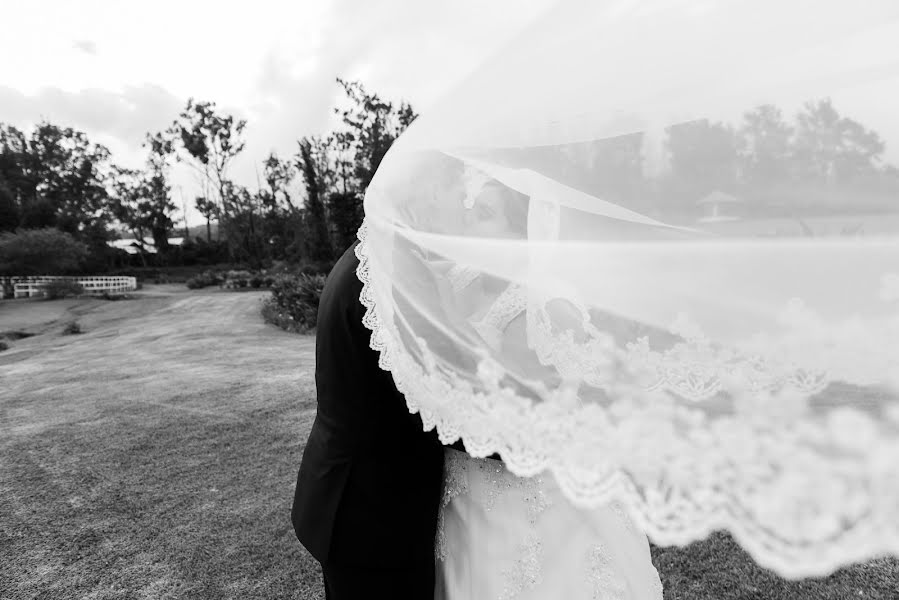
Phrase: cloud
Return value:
(126, 115)
(402, 50)
(119, 120)
(86, 46)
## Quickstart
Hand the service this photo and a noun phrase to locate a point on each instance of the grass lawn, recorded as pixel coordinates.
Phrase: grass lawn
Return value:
(154, 456)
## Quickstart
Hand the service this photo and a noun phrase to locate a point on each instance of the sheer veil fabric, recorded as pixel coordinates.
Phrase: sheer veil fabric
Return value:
(651, 249)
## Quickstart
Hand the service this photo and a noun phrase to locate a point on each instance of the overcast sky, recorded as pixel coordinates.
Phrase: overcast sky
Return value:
(117, 69)
(120, 68)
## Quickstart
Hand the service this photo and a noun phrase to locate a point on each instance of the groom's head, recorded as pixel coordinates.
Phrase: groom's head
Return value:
(432, 192)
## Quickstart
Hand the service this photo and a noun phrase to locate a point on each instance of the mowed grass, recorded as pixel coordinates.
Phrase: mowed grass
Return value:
(154, 456)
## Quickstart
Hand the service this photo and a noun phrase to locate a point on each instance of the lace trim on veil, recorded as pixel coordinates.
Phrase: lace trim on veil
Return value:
(683, 484)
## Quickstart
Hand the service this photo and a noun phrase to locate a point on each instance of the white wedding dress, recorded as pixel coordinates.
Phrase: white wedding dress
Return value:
(503, 537)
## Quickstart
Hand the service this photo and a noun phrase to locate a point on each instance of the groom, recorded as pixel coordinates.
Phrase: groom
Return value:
(369, 485)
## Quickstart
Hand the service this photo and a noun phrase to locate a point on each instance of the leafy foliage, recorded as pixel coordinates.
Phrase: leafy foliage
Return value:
(56, 177)
(72, 328)
(373, 124)
(9, 210)
(61, 288)
(205, 279)
(209, 142)
(29, 252)
(346, 214)
(317, 239)
(817, 162)
(306, 207)
(293, 305)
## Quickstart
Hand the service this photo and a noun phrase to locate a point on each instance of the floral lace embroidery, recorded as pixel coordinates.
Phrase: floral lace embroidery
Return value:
(455, 483)
(501, 481)
(525, 573)
(695, 369)
(536, 498)
(601, 574)
(623, 516)
(498, 480)
(511, 303)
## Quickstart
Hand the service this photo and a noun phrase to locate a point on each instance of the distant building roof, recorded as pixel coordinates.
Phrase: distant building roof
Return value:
(718, 197)
(131, 245)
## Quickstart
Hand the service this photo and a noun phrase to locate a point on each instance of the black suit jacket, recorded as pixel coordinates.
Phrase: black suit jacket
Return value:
(369, 485)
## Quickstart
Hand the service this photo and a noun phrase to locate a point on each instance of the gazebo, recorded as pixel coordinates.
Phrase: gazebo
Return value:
(719, 206)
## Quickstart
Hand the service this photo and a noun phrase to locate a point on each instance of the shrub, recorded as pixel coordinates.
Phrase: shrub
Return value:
(72, 328)
(273, 314)
(232, 279)
(15, 335)
(237, 279)
(294, 302)
(113, 297)
(40, 251)
(205, 279)
(62, 288)
(316, 268)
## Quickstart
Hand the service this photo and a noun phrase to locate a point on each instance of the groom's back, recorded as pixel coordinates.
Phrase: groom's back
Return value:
(369, 484)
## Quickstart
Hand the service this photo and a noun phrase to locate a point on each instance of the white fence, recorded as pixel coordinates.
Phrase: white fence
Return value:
(32, 287)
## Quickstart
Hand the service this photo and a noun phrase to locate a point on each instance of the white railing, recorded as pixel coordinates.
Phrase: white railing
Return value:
(33, 287)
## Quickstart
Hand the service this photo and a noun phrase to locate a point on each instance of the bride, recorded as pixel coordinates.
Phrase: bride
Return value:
(502, 536)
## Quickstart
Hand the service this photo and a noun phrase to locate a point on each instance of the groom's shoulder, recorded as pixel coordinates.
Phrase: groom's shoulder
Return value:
(342, 287)
(343, 274)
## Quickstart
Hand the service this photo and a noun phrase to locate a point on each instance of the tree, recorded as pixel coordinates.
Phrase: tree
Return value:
(337, 169)
(9, 209)
(208, 209)
(17, 165)
(341, 148)
(833, 149)
(159, 206)
(278, 176)
(766, 146)
(29, 252)
(38, 214)
(372, 125)
(316, 236)
(211, 142)
(345, 212)
(244, 226)
(57, 177)
(142, 198)
(71, 174)
(129, 205)
(704, 158)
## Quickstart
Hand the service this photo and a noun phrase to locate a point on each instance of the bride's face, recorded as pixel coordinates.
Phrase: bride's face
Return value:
(489, 216)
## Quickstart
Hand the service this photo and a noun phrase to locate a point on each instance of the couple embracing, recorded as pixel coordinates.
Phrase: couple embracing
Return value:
(390, 512)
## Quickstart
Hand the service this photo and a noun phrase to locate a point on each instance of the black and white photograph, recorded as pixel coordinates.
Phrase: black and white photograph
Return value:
(449, 300)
